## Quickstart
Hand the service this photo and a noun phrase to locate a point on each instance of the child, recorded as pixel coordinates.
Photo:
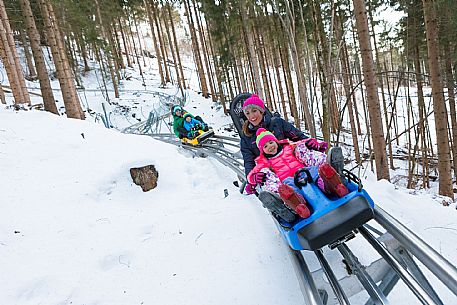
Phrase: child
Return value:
(178, 121)
(280, 159)
(191, 125)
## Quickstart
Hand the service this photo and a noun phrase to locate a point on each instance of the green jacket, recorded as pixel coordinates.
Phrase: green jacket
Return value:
(178, 123)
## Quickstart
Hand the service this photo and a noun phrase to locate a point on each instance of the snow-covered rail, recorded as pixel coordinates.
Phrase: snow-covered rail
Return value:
(397, 247)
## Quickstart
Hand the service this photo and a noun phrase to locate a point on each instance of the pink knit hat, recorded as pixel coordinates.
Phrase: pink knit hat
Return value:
(263, 136)
(253, 102)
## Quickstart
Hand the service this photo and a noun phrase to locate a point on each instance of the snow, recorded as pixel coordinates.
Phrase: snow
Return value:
(75, 229)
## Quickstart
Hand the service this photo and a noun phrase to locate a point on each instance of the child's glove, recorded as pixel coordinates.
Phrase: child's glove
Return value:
(260, 178)
(314, 144)
(250, 189)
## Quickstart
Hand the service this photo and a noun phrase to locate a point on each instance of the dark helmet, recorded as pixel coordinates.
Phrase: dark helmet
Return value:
(186, 115)
(176, 108)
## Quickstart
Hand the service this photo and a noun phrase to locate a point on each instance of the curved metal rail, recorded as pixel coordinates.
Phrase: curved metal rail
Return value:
(397, 248)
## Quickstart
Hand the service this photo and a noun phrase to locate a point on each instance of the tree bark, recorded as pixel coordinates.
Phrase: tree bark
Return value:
(10, 48)
(379, 145)
(439, 106)
(155, 15)
(71, 101)
(155, 41)
(252, 54)
(43, 77)
(196, 49)
(2, 94)
(346, 84)
(8, 62)
(205, 52)
(108, 56)
(183, 80)
(125, 43)
(28, 57)
(289, 26)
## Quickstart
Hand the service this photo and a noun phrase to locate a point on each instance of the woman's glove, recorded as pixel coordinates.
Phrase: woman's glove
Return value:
(314, 144)
(259, 178)
(250, 189)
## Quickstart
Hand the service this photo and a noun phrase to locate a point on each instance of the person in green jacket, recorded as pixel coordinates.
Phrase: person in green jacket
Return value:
(178, 121)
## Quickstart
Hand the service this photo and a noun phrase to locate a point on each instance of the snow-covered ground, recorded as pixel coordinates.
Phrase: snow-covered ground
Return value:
(74, 229)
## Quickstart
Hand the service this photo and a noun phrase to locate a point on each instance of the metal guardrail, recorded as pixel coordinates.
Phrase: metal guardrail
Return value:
(435, 262)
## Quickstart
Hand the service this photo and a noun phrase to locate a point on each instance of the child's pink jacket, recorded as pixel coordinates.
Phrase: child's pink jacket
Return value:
(292, 157)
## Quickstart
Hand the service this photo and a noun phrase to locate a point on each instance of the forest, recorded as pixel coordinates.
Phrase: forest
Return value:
(330, 66)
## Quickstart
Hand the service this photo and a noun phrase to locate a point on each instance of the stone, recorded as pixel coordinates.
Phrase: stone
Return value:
(145, 176)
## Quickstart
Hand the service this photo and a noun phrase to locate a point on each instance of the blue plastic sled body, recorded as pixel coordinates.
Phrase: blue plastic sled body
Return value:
(331, 218)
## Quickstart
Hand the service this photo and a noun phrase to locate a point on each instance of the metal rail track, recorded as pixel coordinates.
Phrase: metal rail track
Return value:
(398, 247)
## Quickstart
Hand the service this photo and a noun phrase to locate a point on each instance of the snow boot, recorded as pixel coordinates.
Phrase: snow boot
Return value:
(336, 159)
(275, 205)
(294, 200)
(332, 181)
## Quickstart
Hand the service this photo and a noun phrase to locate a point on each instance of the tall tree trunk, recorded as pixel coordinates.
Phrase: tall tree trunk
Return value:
(155, 41)
(266, 88)
(282, 98)
(252, 54)
(379, 145)
(125, 43)
(308, 60)
(156, 16)
(346, 84)
(183, 78)
(115, 35)
(422, 117)
(65, 62)
(82, 47)
(381, 85)
(2, 93)
(288, 78)
(108, 56)
(205, 52)
(8, 61)
(28, 56)
(137, 56)
(117, 57)
(439, 106)
(139, 40)
(450, 83)
(10, 48)
(196, 49)
(289, 26)
(45, 84)
(324, 72)
(173, 51)
(71, 101)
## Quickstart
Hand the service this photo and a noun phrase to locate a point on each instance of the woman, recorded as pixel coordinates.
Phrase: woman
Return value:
(257, 117)
(254, 110)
